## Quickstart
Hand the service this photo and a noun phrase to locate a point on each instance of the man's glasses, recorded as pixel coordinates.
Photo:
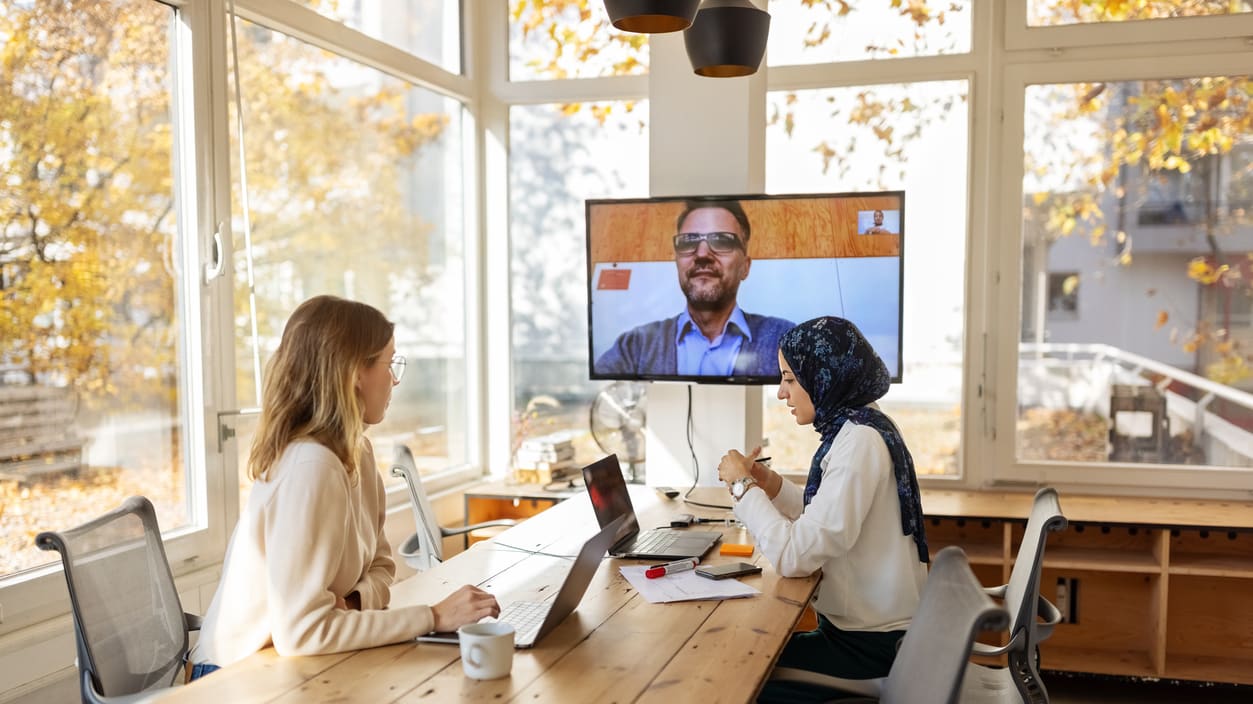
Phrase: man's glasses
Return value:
(719, 242)
(397, 367)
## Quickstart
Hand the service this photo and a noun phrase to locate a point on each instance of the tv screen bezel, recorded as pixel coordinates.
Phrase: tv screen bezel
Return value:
(747, 380)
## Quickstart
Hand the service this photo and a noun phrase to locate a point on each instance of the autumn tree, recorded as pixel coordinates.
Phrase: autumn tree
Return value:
(89, 248)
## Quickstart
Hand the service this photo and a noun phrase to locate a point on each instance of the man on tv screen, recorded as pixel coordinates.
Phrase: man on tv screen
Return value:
(712, 336)
(878, 228)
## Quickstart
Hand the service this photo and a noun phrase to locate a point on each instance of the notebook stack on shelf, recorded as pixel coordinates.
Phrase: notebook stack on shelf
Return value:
(545, 459)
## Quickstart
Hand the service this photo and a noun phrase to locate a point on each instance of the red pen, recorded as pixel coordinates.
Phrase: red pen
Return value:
(671, 568)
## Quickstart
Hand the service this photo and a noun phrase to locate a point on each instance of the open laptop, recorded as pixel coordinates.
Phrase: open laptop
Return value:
(611, 501)
(532, 620)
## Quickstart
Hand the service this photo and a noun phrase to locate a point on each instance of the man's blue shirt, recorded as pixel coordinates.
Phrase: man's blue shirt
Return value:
(699, 356)
(651, 350)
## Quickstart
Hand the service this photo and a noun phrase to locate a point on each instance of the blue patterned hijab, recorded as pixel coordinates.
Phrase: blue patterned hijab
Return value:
(842, 374)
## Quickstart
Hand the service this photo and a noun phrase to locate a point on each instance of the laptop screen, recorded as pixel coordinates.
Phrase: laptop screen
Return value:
(608, 491)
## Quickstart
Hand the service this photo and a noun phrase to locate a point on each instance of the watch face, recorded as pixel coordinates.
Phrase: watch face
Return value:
(737, 489)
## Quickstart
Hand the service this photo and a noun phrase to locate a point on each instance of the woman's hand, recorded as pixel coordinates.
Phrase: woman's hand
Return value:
(734, 465)
(466, 605)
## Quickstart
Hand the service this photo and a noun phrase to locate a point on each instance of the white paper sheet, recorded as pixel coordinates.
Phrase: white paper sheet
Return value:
(684, 586)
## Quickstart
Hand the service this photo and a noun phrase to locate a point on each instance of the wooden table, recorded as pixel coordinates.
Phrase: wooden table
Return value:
(615, 647)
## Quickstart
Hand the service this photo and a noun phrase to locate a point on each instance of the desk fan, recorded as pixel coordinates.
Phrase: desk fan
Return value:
(617, 421)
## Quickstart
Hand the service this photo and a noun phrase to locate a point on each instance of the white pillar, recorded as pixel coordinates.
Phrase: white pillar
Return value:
(706, 137)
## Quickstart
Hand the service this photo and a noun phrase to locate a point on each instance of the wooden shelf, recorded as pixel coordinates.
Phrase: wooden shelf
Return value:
(1103, 560)
(1209, 669)
(1095, 660)
(1160, 582)
(1212, 565)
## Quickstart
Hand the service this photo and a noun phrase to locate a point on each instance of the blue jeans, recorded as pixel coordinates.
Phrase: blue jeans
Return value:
(201, 669)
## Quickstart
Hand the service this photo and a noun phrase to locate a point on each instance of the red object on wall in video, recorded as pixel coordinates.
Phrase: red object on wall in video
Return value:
(614, 279)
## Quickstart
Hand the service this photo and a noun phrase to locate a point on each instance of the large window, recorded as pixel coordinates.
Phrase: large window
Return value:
(428, 29)
(559, 156)
(558, 40)
(1044, 13)
(831, 30)
(1127, 188)
(92, 355)
(354, 189)
(879, 137)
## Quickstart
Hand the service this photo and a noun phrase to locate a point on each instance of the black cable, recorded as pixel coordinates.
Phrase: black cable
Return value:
(691, 448)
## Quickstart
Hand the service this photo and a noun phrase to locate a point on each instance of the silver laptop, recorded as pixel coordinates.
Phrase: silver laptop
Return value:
(532, 620)
(611, 501)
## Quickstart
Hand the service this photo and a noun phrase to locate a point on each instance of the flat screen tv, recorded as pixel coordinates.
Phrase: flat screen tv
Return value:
(700, 288)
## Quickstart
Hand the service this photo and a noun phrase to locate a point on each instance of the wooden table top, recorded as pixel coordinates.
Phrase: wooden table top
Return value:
(615, 647)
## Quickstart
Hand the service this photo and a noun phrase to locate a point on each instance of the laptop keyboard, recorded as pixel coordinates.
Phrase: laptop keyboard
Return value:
(525, 617)
(654, 541)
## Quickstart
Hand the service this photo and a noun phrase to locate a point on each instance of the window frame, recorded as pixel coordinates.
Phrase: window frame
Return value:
(40, 593)
(1146, 62)
(1165, 30)
(975, 68)
(306, 25)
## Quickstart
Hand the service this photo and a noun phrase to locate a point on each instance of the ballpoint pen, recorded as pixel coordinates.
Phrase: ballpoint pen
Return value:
(671, 568)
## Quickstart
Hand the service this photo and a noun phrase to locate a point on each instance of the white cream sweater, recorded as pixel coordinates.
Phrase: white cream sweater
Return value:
(308, 537)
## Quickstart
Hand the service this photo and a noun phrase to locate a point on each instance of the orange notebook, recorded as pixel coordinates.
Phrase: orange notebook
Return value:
(736, 549)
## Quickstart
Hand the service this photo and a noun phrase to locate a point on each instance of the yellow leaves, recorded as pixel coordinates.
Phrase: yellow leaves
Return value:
(1039, 197)
(827, 153)
(1203, 271)
(1163, 317)
(1177, 164)
(1230, 370)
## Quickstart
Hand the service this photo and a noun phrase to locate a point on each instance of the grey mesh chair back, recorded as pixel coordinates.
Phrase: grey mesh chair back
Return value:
(931, 663)
(425, 548)
(1033, 616)
(129, 626)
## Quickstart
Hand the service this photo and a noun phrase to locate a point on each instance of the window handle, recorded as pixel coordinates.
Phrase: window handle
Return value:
(213, 269)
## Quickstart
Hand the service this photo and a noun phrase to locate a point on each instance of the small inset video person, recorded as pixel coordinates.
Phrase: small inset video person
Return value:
(877, 228)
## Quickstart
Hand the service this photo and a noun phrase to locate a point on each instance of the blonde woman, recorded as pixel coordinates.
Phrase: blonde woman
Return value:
(308, 569)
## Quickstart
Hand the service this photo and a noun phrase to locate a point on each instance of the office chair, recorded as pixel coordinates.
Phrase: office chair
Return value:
(425, 548)
(129, 627)
(1020, 683)
(931, 663)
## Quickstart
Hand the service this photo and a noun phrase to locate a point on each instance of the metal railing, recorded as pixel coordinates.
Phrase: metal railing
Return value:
(1227, 443)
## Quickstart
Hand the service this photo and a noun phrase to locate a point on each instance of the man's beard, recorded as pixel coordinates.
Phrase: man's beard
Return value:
(708, 294)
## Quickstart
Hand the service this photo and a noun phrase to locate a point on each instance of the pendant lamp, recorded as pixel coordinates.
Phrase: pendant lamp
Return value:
(727, 39)
(651, 16)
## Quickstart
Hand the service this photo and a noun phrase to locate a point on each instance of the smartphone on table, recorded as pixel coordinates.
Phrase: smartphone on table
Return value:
(730, 569)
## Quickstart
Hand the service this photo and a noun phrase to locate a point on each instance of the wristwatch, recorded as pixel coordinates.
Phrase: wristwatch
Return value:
(740, 486)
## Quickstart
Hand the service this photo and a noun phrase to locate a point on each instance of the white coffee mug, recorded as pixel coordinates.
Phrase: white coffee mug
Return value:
(486, 650)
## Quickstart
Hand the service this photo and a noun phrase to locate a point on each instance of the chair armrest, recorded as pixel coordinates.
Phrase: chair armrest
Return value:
(1015, 643)
(192, 621)
(984, 649)
(1051, 615)
(459, 530)
(870, 689)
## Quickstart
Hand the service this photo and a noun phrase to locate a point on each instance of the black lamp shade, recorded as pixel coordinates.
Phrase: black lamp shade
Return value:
(651, 16)
(727, 39)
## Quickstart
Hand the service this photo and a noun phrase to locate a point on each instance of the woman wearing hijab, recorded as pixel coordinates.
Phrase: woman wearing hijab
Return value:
(858, 519)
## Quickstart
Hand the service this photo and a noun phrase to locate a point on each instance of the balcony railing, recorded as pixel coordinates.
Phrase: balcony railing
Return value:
(1080, 376)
